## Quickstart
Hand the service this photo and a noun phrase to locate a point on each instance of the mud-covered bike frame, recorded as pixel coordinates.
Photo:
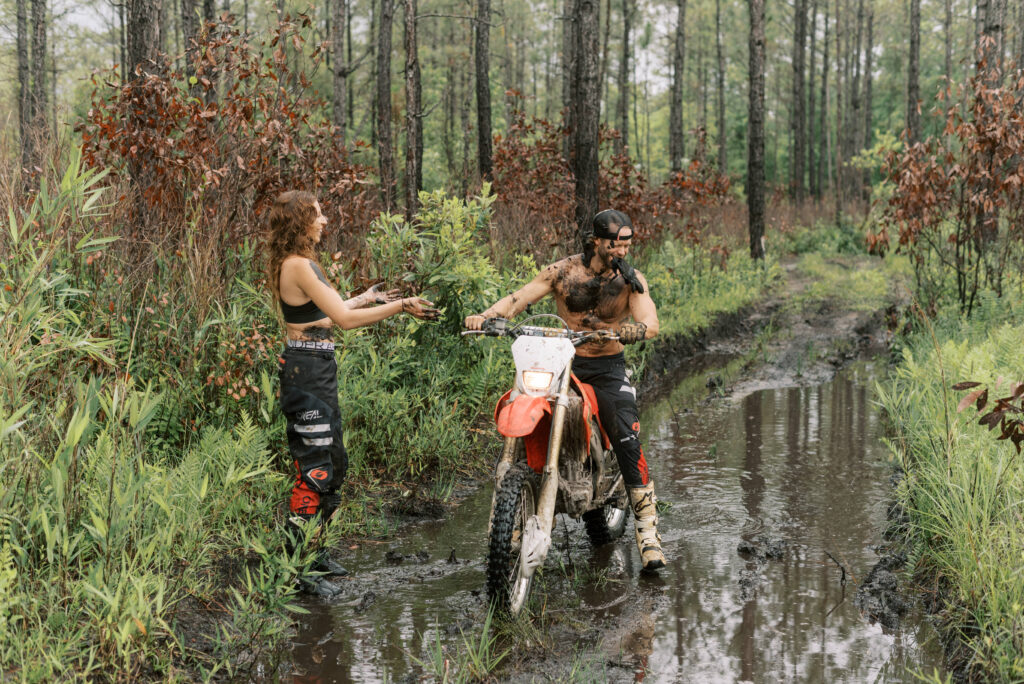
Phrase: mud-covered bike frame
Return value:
(556, 457)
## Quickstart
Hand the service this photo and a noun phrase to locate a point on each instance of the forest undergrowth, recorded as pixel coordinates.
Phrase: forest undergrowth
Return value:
(144, 467)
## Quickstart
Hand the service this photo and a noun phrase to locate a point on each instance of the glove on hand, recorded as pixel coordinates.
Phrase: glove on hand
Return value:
(628, 274)
(631, 333)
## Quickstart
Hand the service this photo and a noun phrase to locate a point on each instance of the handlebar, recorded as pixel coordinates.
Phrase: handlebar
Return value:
(499, 327)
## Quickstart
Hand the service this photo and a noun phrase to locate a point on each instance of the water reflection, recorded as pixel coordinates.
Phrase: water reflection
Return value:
(800, 465)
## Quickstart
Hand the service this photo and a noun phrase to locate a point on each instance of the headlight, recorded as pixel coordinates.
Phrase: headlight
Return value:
(537, 381)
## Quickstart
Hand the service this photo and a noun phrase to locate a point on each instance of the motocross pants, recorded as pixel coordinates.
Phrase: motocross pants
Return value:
(616, 405)
(309, 400)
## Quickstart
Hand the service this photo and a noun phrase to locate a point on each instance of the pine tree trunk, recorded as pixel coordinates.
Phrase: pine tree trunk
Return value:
(603, 76)
(853, 123)
(586, 115)
(755, 142)
(413, 112)
(569, 31)
(797, 120)
(824, 149)
(723, 167)
(675, 121)
(143, 34)
(190, 34)
(868, 104)
(812, 176)
(40, 94)
(947, 36)
(339, 67)
(623, 109)
(838, 186)
(209, 11)
(24, 94)
(374, 31)
(483, 87)
(385, 154)
(913, 121)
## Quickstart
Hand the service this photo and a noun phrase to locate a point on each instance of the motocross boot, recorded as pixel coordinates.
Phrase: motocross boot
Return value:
(646, 514)
(313, 579)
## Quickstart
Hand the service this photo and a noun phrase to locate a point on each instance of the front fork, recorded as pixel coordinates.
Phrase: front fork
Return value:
(537, 534)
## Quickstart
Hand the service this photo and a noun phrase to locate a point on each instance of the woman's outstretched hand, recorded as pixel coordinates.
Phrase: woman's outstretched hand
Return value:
(378, 295)
(420, 308)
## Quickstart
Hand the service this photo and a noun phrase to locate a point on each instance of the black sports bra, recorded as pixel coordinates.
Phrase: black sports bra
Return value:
(308, 312)
(303, 313)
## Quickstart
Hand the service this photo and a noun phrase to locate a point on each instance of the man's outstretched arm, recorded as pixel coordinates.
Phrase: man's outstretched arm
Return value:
(514, 304)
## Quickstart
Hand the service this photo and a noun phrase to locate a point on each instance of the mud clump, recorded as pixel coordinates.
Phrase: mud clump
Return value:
(762, 548)
(879, 596)
(397, 558)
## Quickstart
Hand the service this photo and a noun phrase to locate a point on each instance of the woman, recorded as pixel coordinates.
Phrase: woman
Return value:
(308, 371)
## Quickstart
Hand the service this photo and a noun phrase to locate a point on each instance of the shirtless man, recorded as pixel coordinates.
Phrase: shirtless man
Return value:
(598, 290)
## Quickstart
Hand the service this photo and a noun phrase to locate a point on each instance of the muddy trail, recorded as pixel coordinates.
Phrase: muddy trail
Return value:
(766, 451)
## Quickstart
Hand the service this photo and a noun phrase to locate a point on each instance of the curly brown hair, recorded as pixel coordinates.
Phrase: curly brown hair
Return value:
(287, 232)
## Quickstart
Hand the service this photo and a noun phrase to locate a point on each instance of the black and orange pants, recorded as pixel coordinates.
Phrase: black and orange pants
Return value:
(309, 400)
(616, 405)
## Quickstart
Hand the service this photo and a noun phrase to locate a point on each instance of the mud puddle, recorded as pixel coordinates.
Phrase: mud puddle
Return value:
(777, 500)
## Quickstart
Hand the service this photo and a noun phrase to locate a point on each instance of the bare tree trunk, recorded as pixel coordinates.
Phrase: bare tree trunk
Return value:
(40, 94)
(624, 81)
(755, 141)
(838, 186)
(947, 34)
(349, 99)
(143, 34)
(868, 103)
(374, 31)
(190, 34)
(209, 11)
(413, 114)
(675, 121)
(569, 30)
(824, 138)
(723, 168)
(123, 45)
(992, 18)
(913, 123)
(603, 76)
(25, 117)
(339, 67)
(483, 87)
(448, 105)
(797, 120)
(812, 176)
(853, 123)
(385, 155)
(586, 111)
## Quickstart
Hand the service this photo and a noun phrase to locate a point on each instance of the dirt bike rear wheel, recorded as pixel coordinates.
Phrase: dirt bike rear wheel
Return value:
(606, 524)
(514, 502)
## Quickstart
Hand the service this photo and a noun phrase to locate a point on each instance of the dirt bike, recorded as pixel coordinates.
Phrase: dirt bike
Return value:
(556, 458)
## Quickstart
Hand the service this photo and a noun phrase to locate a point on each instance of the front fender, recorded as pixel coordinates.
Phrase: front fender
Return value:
(520, 416)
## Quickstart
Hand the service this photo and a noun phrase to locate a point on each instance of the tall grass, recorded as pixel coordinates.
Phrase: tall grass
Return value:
(964, 490)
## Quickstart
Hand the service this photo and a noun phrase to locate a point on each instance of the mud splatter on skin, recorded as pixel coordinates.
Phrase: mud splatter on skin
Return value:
(317, 333)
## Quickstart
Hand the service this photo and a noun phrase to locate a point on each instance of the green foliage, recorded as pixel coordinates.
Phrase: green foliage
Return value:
(963, 488)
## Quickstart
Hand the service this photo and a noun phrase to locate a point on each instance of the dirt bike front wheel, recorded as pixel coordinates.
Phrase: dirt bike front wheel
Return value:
(514, 502)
